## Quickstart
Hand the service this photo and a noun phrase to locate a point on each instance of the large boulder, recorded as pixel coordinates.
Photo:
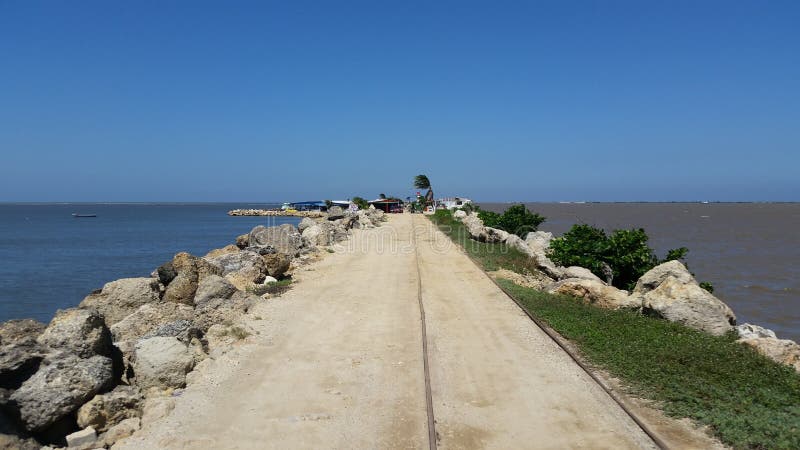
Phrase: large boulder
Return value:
(248, 262)
(20, 352)
(580, 272)
(783, 351)
(335, 212)
(77, 330)
(162, 363)
(655, 276)
(539, 240)
(62, 384)
(118, 299)
(750, 331)
(147, 319)
(283, 238)
(277, 264)
(514, 241)
(214, 286)
(219, 310)
(243, 241)
(690, 305)
(459, 214)
(596, 292)
(218, 252)
(191, 270)
(305, 223)
(318, 234)
(111, 408)
(474, 226)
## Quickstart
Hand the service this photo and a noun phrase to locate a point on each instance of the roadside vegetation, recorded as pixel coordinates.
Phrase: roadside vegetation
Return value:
(747, 400)
(517, 219)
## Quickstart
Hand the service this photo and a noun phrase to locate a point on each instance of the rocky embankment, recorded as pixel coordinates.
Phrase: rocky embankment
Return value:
(275, 212)
(98, 372)
(668, 291)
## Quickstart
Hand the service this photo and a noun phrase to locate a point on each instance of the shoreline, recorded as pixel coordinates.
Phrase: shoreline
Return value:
(99, 371)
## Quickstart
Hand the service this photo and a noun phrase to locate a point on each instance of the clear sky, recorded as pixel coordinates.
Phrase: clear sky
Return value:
(498, 101)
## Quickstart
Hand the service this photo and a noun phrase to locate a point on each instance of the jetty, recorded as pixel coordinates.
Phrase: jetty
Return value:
(275, 213)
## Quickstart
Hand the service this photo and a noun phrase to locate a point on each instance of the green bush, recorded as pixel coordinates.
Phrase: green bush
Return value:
(625, 252)
(516, 219)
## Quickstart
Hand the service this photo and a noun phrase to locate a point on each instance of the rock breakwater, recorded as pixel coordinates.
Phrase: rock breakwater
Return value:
(99, 371)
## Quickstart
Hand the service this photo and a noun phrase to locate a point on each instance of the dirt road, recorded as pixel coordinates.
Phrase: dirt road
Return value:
(338, 363)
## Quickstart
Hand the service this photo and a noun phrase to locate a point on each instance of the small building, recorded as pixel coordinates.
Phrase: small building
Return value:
(309, 206)
(389, 205)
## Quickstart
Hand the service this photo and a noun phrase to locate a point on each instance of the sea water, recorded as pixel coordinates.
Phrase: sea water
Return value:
(50, 260)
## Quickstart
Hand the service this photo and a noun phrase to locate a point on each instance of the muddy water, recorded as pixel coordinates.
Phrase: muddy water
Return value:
(749, 251)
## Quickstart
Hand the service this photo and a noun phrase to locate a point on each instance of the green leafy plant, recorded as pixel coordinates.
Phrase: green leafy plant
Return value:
(360, 202)
(625, 251)
(517, 219)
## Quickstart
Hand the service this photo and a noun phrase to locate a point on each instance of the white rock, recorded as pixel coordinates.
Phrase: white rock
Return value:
(83, 439)
(690, 305)
(156, 408)
(750, 331)
(580, 272)
(655, 276)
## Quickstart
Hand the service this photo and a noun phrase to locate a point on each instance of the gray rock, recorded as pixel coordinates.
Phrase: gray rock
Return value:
(283, 238)
(219, 310)
(690, 305)
(82, 440)
(596, 292)
(214, 286)
(335, 212)
(182, 289)
(162, 363)
(318, 234)
(494, 235)
(750, 331)
(242, 261)
(305, 223)
(20, 352)
(62, 384)
(111, 408)
(277, 264)
(118, 299)
(77, 330)
(165, 273)
(15, 442)
(655, 276)
(149, 318)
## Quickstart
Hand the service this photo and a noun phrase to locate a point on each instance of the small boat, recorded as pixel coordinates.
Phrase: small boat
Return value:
(76, 215)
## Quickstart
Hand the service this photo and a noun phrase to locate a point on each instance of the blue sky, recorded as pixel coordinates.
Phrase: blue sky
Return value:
(499, 101)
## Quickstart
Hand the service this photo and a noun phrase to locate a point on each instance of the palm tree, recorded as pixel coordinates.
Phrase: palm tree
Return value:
(422, 182)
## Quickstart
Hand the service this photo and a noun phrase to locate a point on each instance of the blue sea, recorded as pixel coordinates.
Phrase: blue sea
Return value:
(51, 260)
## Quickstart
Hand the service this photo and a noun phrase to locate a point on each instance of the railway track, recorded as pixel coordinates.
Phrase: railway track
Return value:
(432, 434)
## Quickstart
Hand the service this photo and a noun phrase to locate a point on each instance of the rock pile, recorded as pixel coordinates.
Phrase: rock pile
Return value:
(668, 291)
(98, 372)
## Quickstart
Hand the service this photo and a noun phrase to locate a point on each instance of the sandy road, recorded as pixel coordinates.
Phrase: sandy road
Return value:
(337, 363)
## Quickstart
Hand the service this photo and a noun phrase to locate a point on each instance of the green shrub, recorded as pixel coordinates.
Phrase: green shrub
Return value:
(360, 202)
(517, 219)
(625, 252)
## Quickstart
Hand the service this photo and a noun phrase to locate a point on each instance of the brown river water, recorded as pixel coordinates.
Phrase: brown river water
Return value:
(750, 252)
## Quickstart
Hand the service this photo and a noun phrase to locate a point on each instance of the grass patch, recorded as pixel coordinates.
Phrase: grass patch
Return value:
(236, 332)
(274, 287)
(491, 256)
(748, 400)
